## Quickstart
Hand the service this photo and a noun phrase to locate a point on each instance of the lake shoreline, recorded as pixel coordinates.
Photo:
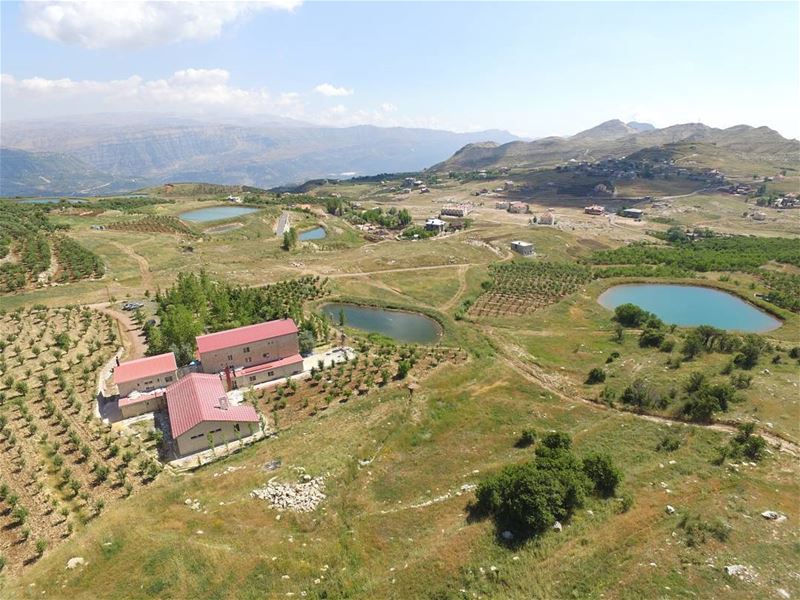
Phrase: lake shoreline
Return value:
(715, 305)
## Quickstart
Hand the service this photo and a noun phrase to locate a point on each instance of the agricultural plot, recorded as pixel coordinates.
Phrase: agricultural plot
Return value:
(59, 466)
(153, 224)
(378, 365)
(520, 288)
(32, 252)
(784, 289)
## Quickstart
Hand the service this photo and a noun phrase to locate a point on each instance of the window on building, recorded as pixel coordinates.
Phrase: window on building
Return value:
(252, 378)
(236, 427)
(230, 356)
(248, 359)
(246, 349)
(270, 373)
(168, 378)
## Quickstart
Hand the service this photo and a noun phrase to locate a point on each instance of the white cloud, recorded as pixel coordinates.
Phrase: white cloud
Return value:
(135, 24)
(328, 89)
(187, 90)
(190, 92)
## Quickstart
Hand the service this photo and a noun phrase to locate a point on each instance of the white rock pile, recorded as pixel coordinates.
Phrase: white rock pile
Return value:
(743, 572)
(297, 497)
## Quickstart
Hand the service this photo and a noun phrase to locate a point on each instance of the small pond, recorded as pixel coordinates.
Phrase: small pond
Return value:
(216, 213)
(317, 233)
(400, 325)
(691, 305)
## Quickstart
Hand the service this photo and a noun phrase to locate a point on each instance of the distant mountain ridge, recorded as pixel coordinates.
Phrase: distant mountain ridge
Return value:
(613, 139)
(263, 153)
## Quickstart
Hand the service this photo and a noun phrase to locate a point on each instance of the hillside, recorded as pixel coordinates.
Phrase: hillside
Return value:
(25, 173)
(263, 154)
(614, 139)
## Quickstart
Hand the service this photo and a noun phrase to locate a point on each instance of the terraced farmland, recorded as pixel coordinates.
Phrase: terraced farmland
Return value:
(519, 288)
(153, 224)
(59, 465)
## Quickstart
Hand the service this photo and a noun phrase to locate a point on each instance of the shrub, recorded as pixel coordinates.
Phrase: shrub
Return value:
(528, 438)
(651, 338)
(600, 470)
(630, 315)
(667, 345)
(700, 408)
(696, 529)
(596, 375)
(748, 356)
(741, 380)
(637, 394)
(669, 442)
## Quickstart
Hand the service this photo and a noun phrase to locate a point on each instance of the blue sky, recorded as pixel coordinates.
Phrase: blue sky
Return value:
(532, 68)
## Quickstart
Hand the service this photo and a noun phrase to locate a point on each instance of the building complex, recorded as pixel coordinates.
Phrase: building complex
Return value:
(197, 404)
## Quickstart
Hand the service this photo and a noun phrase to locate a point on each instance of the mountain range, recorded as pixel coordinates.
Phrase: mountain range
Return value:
(614, 139)
(110, 153)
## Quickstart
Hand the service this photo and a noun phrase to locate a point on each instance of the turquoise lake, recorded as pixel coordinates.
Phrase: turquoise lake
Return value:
(400, 325)
(317, 233)
(216, 213)
(690, 305)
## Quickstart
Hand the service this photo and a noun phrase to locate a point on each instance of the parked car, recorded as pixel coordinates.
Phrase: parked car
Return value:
(132, 306)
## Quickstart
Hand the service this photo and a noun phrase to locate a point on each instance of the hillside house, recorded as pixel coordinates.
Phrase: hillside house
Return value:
(455, 210)
(145, 374)
(436, 225)
(632, 213)
(523, 248)
(250, 346)
(503, 205)
(594, 209)
(202, 416)
(547, 218)
(517, 207)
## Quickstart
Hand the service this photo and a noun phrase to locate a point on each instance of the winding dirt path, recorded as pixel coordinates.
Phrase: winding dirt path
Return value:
(397, 270)
(141, 261)
(564, 389)
(462, 287)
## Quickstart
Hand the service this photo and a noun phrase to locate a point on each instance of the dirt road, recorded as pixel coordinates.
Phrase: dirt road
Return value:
(132, 337)
(141, 261)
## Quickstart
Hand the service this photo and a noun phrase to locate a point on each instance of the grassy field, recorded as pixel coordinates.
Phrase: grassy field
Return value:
(398, 466)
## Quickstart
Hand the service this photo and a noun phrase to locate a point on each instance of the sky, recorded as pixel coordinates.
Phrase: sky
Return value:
(534, 69)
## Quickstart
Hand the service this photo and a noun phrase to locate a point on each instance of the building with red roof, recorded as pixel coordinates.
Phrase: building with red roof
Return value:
(145, 374)
(201, 415)
(251, 346)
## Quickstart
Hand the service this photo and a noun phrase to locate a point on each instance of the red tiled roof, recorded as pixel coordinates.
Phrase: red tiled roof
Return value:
(289, 360)
(145, 367)
(135, 398)
(200, 397)
(245, 335)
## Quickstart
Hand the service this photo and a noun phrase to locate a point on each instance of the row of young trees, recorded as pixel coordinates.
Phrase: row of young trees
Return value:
(716, 253)
(26, 231)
